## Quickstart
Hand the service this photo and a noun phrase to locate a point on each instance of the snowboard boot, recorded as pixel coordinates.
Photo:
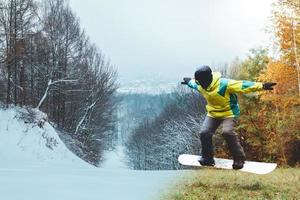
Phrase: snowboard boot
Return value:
(236, 150)
(238, 163)
(207, 158)
(207, 161)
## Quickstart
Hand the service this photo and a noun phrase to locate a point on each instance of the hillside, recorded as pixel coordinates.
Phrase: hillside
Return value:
(35, 165)
(27, 138)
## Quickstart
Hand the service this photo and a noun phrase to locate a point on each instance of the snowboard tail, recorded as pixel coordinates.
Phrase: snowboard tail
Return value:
(249, 166)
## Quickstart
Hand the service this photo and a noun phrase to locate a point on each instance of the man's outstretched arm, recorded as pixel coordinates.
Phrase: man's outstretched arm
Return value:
(190, 82)
(245, 86)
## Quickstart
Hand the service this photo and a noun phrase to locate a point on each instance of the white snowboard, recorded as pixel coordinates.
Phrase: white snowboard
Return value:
(249, 166)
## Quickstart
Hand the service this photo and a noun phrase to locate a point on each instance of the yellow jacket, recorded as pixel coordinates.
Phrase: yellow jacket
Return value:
(221, 95)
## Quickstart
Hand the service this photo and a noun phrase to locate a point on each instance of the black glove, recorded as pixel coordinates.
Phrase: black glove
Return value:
(268, 86)
(186, 81)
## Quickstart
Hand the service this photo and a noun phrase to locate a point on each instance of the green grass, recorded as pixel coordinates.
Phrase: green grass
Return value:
(229, 184)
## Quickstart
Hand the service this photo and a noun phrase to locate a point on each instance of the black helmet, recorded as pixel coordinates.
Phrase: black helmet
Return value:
(203, 76)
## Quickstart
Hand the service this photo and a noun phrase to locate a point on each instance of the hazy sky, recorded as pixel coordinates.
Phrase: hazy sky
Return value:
(170, 38)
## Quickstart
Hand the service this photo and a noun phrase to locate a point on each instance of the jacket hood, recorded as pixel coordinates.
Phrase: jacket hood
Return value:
(216, 78)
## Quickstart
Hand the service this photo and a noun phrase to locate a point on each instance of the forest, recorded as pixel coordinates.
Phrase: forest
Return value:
(48, 62)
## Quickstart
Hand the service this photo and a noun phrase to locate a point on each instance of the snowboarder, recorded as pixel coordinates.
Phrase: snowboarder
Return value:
(222, 108)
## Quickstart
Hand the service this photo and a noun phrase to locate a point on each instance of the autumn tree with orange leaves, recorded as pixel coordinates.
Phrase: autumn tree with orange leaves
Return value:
(270, 130)
(287, 31)
(285, 123)
(281, 112)
(270, 125)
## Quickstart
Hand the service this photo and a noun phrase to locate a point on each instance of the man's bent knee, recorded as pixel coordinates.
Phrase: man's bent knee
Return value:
(205, 132)
(226, 132)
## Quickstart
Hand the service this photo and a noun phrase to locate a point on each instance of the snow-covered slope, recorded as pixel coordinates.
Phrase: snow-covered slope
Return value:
(35, 165)
(31, 140)
(115, 160)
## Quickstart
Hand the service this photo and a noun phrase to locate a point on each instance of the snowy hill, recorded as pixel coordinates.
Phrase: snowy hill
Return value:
(26, 137)
(35, 165)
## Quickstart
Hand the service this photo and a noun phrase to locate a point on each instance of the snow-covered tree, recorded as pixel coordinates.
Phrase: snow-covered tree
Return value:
(156, 143)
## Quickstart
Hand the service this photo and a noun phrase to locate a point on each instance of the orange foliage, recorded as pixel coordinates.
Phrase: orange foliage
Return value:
(284, 109)
(286, 91)
(270, 124)
(270, 130)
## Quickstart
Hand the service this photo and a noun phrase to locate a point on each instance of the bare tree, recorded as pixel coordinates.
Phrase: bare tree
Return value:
(48, 62)
(16, 22)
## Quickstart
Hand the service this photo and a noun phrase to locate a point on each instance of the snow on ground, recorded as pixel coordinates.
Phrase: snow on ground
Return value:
(29, 170)
(27, 143)
(115, 159)
(60, 183)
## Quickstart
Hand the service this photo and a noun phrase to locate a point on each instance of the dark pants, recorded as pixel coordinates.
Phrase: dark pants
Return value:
(210, 126)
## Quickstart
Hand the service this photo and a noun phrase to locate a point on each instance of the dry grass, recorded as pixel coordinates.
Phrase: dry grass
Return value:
(229, 184)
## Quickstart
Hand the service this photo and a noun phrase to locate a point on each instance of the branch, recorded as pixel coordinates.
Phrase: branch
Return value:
(84, 116)
(62, 80)
(19, 87)
(45, 95)
(50, 83)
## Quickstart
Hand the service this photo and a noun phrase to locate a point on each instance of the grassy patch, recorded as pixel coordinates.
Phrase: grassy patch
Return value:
(229, 184)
